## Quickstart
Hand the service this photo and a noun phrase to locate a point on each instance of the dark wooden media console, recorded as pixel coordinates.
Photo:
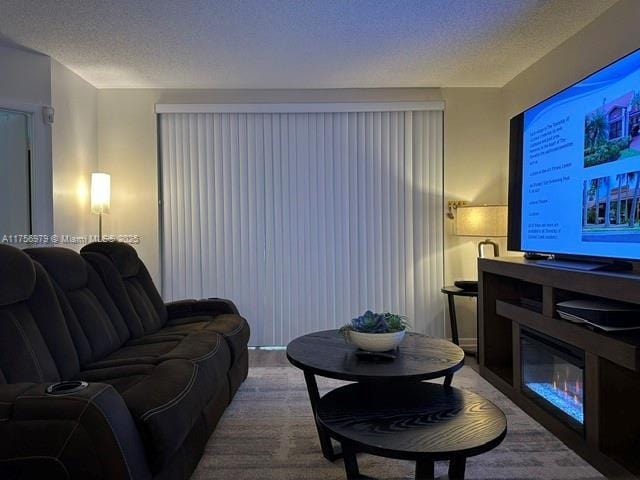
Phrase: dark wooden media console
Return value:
(515, 296)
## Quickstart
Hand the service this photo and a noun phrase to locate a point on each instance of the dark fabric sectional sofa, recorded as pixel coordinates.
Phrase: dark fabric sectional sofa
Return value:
(136, 386)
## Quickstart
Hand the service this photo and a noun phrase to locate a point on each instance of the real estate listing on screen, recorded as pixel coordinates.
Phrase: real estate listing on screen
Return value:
(575, 168)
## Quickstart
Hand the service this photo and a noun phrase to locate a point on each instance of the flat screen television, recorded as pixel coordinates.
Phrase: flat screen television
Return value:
(574, 180)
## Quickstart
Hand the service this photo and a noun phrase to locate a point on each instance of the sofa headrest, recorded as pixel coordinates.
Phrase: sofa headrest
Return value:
(122, 255)
(17, 275)
(67, 268)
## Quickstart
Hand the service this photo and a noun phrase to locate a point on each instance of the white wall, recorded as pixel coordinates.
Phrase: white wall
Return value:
(25, 84)
(75, 151)
(127, 146)
(475, 170)
(25, 76)
(127, 150)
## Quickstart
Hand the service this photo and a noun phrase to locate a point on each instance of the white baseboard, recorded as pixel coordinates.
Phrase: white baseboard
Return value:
(468, 342)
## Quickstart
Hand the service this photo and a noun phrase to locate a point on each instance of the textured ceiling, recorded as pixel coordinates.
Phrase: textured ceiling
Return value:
(295, 43)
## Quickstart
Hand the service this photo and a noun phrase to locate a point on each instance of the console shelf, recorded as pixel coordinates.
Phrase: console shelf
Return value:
(516, 294)
(620, 350)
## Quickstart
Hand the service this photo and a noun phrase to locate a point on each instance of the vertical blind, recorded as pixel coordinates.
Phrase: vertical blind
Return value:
(305, 220)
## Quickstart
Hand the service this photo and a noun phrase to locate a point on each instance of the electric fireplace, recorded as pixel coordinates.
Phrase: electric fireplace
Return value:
(553, 376)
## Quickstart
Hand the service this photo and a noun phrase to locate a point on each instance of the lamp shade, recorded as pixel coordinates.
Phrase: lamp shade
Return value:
(482, 221)
(100, 192)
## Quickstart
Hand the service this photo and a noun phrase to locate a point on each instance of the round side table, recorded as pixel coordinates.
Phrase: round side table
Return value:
(451, 292)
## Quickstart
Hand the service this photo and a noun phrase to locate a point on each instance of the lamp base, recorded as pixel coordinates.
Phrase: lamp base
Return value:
(483, 247)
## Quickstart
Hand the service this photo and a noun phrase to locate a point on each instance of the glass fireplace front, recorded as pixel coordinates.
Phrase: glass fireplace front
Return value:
(553, 376)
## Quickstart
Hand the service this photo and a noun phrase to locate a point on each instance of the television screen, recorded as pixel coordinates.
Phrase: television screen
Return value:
(576, 160)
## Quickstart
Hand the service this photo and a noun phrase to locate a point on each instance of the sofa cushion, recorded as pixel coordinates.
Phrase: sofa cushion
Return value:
(159, 321)
(123, 256)
(35, 345)
(139, 286)
(95, 323)
(47, 313)
(118, 293)
(150, 310)
(64, 265)
(182, 326)
(233, 328)
(17, 275)
(196, 347)
(24, 356)
(77, 431)
(167, 400)
(121, 377)
(187, 316)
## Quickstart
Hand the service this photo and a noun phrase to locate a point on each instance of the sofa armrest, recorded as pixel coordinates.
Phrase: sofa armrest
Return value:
(209, 306)
(86, 434)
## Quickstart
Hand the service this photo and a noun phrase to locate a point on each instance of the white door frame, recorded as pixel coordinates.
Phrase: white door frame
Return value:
(41, 166)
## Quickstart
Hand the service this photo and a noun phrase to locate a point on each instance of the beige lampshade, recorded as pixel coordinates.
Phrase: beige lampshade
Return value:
(481, 221)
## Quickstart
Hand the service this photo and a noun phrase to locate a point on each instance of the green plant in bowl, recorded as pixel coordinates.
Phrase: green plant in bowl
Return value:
(376, 332)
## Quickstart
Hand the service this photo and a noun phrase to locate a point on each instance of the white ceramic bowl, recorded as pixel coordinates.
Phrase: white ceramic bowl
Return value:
(376, 342)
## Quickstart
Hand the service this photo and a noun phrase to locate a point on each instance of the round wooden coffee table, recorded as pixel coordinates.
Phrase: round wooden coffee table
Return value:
(327, 354)
(423, 422)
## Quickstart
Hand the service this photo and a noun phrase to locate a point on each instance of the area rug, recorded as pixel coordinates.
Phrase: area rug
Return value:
(268, 433)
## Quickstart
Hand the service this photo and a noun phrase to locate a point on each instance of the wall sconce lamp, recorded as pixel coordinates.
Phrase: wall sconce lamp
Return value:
(482, 221)
(452, 205)
(100, 196)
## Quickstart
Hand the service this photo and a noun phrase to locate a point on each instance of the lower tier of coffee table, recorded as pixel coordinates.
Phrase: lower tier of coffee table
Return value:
(424, 422)
(425, 469)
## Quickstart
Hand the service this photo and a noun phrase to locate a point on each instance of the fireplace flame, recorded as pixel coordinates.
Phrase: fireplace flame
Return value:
(556, 380)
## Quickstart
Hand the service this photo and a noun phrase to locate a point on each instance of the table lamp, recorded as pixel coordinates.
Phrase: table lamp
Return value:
(482, 221)
(100, 196)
